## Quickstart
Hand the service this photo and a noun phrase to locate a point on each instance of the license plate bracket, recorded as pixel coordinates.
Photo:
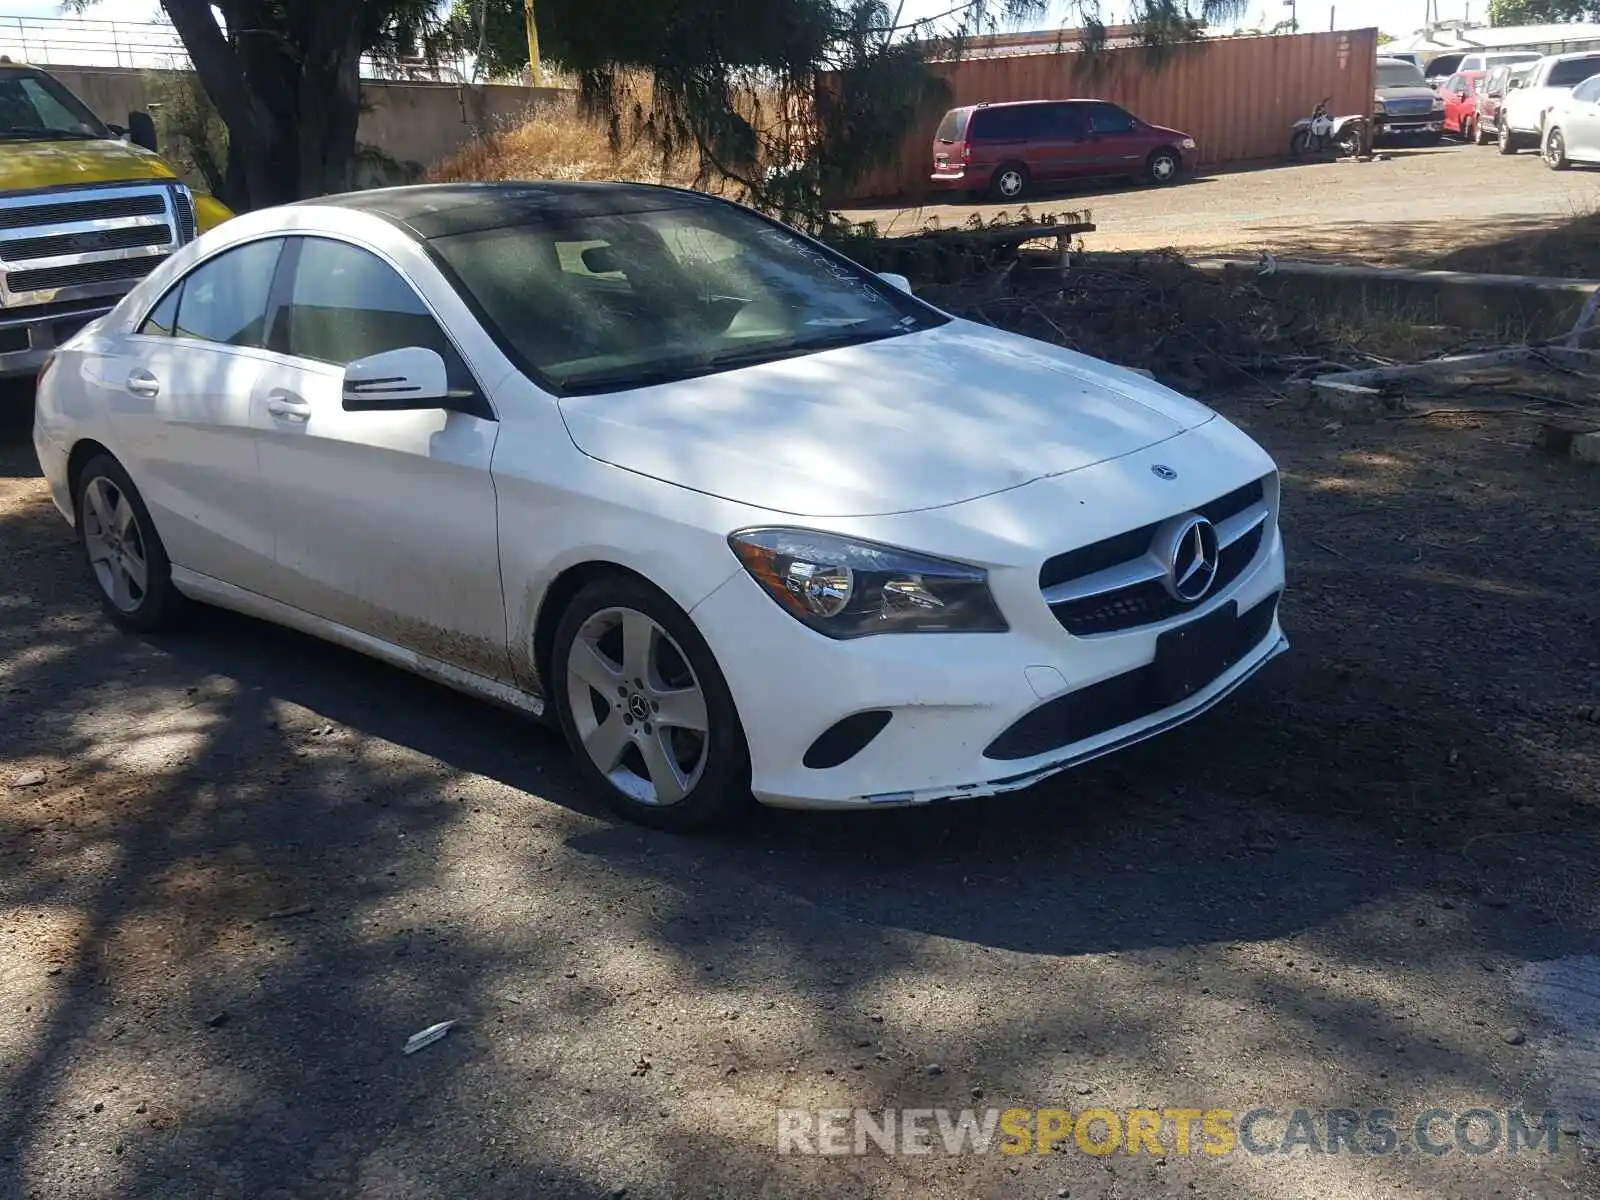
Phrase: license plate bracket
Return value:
(1192, 656)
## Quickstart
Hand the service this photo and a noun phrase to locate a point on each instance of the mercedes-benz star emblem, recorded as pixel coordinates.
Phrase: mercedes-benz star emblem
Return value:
(1162, 471)
(1191, 558)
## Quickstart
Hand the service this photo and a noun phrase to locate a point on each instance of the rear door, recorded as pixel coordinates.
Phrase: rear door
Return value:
(180, 402)
(1117, 145)
(384, 522)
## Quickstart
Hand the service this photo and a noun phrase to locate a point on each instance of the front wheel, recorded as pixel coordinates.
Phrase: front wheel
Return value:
(1348, 142)
(646, 710)
(1163, 167)
(1507, 140)
(124, 553)
(1555, 150)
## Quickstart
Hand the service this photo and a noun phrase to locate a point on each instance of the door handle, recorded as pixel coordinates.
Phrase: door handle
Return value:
(142, 383)
(281, 404)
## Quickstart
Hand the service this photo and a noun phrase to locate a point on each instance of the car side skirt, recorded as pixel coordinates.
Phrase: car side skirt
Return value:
(252, 604)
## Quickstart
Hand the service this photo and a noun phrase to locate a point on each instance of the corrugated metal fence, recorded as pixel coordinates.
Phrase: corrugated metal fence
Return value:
(1238, 97)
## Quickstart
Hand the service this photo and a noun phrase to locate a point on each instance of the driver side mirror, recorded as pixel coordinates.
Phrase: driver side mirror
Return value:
(142, 130)
(397, 381)
(894, 279)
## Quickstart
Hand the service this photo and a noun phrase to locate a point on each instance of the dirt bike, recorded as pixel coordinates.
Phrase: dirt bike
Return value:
(1321, 134)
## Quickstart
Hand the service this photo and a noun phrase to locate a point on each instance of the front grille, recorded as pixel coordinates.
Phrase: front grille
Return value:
(1116, 701)
(184, 204)
(115, 270)
(126, 238)
(1407, 108)
(1146, 601)
(91, 208)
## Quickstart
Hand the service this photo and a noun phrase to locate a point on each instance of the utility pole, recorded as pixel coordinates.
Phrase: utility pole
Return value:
(1294, 16)
(1331, 10)
(535, 75)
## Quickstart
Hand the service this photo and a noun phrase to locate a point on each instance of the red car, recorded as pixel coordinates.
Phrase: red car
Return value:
(1461, 92)
(1007, 150)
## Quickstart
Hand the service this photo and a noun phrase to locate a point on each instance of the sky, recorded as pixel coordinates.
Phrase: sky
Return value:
(1313, 14)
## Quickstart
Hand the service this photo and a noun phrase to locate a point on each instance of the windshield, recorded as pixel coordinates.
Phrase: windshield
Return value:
(1399, 74)
(610, 301)
(1573, 72)
(35, 107)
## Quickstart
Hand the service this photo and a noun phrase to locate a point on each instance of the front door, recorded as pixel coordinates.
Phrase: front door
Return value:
(1583, 121)
(1116, 144)
(384, 522)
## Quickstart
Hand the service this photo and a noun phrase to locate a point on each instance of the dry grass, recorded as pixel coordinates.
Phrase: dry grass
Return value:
(558, 142)
(1570, 250)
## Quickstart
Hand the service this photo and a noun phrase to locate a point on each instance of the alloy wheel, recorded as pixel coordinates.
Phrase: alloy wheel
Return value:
(1010, 183)
(639, 710)
(1163, 168)
(1555, 149)
(115, 545)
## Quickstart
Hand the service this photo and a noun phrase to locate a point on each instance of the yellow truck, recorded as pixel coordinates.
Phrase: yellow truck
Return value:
(86, 211)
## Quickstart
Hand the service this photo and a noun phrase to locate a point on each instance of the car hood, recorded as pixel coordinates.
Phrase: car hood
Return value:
(1407, 92)
(70, 163)
(911, 422)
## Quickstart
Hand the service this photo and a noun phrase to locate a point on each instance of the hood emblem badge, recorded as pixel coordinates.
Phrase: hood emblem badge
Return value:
(1162, 471)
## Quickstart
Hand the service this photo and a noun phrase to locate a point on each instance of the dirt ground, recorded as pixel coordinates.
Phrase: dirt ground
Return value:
(1419, 205)
(238, 868)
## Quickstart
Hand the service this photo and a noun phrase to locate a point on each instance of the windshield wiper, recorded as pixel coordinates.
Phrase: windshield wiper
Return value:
(621, 379)
(774, 351)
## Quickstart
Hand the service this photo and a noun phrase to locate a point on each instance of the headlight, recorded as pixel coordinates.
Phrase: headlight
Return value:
(1378, 104)
(1438, 104)
(846, 588)
(1186, 144)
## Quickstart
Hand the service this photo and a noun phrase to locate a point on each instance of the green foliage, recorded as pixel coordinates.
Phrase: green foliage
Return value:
(191, 134)
(1542, 12)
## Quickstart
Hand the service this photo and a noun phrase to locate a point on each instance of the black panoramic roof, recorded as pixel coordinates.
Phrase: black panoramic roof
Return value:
(434, 210)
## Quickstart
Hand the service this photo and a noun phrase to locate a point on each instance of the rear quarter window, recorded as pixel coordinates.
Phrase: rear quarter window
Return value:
(953, 126)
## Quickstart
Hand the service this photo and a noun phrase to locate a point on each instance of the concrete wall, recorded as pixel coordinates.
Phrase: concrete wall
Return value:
(410, 122)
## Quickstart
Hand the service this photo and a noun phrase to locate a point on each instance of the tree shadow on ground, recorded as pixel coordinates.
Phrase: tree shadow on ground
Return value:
(258, 863)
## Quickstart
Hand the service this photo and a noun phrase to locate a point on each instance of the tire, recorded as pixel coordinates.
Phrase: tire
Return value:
(1465, 132)
(1163, 168)
(1507, 140)
(1349, 142)
(1480, 137)
(669, 776)
(1300, 143)
(1555, 150)
(123, 551)
(1011, 181)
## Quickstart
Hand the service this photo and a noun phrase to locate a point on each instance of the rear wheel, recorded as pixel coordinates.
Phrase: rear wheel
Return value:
(1480, 135)
(1010, 182)
(1163, 167)
(1300, 143)
(1555, 150)
(124, 553)
(645, 708)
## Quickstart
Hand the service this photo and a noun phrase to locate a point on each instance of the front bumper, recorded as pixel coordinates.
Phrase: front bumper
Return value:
(950, 696)
(1385, 124)
(28, 338)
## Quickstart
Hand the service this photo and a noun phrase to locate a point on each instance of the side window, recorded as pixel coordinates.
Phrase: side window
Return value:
(1068, 120)
(1588, 90)
(347, 303)
(1108, 118)
(163, 318)
(224, 299)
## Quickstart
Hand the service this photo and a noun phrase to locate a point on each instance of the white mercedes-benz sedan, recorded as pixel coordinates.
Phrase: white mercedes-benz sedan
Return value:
(745, 518)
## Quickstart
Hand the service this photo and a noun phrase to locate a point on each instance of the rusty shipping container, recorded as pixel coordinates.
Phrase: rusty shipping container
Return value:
(1238, 97)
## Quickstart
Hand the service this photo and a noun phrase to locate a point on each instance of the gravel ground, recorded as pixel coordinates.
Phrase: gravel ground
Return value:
(238, 868)
(1420, 204)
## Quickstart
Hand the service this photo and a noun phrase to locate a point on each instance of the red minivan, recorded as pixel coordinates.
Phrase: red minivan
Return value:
(1006, 150)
